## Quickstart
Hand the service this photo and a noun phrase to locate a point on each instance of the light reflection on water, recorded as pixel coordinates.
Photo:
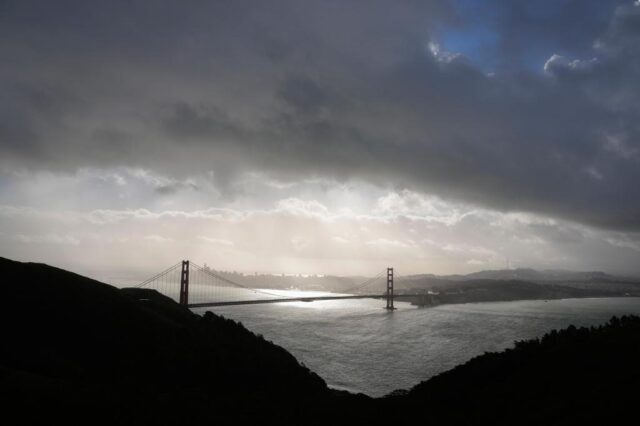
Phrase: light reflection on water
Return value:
(203, 294)
(359, 346)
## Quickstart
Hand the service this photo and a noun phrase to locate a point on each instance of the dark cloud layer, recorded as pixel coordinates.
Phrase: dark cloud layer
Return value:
(336, 90)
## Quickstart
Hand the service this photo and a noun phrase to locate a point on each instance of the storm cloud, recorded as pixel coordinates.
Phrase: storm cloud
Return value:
(511, 106)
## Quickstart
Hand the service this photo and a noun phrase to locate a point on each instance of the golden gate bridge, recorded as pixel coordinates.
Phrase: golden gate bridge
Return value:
(195, 286)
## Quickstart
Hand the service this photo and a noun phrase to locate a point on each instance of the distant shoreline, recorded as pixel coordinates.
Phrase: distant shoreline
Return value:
(413, 302)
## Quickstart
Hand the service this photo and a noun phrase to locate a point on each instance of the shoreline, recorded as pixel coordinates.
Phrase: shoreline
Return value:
(425, 306)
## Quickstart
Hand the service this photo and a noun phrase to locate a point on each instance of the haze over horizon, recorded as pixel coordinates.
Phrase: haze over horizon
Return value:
(334, 137)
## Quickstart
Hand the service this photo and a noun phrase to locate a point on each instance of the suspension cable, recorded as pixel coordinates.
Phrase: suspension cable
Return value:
(365, 283)
(233, 283)
(157, 276)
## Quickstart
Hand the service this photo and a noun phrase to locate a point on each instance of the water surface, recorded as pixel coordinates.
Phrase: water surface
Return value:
(358, 346)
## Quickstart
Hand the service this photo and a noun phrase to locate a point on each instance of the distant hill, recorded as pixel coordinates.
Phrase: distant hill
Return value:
(528, 274)
(515, 284)
(76, 350)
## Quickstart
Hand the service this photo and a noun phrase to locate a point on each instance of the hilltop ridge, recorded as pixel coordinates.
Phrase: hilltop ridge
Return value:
(66, 337)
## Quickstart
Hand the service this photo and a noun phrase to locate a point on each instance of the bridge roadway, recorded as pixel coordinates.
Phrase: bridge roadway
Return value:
(298, 299)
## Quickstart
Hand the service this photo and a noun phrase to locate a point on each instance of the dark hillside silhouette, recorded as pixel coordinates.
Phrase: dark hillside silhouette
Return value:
(573, 376)
(74, 349)
(69, 341)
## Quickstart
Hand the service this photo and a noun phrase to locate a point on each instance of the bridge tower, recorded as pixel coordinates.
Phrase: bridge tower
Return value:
(390, 289)
(184, 283)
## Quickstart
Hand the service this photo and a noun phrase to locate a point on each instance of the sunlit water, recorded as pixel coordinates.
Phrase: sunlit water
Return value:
(358, 346)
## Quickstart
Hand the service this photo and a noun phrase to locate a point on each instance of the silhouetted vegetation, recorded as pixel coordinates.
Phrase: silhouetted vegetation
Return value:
(571, 376)
(78, 350)
(72, 343)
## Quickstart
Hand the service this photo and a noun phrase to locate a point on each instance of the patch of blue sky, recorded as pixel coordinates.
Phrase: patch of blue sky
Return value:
(477, 44)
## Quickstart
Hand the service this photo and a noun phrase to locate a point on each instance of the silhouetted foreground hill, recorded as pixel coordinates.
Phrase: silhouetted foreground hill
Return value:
(71, 343)
(78, 350)
(572, 376)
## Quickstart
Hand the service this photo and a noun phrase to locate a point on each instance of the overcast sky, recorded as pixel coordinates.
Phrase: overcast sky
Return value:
(335, 137)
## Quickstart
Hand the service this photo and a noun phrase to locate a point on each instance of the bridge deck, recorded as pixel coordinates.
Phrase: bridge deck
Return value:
(297, 299)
